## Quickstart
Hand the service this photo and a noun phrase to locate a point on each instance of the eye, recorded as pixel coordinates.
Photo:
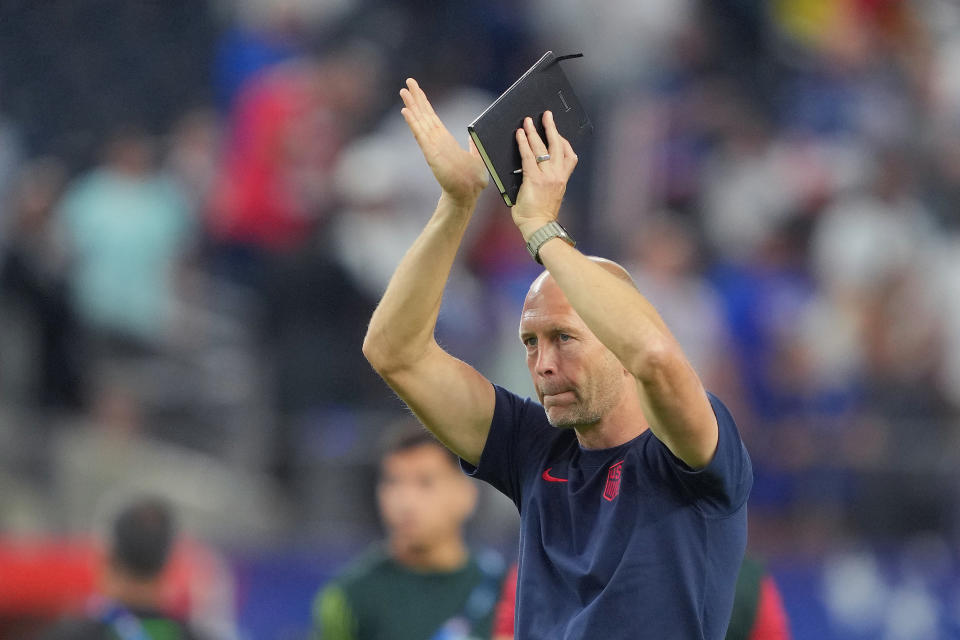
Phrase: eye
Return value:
(530, 342)
(563, 337)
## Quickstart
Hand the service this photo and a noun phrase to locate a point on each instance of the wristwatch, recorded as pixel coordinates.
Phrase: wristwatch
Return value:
(552, 229)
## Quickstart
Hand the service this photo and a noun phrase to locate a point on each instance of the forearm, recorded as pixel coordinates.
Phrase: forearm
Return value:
(614, 310)
(603, 296)
(402, 327)
(672, 396)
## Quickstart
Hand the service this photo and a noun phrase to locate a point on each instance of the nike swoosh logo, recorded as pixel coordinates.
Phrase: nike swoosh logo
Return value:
(549, 478)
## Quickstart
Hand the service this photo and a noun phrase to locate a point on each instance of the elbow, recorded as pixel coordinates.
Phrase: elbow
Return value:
(375, 353)
(385, 358)
(655, 360)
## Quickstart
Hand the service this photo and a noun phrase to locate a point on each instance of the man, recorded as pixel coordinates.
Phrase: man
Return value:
(424, 583)
(631, 481)
(142, 537)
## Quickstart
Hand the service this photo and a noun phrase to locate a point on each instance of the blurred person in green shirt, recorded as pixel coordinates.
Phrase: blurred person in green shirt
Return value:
(125, 228)
(422, 582)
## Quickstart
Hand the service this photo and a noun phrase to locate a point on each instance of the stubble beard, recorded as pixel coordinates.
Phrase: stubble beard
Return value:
(591, 403)
(573, 416)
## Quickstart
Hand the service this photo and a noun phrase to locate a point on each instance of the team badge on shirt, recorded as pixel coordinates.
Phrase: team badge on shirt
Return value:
(612, 488)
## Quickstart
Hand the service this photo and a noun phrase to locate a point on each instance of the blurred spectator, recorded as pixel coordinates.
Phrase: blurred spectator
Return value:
(758, 612)
(126, 230)
(423, 582)
(259, 35)
(285, 135)
(141, 539)
(664, 264)
(625, 40)
(192, 155)
(33, 280)
(503, 621)
(942, 20)
(266, 220)
(870, 252)
(263, 33)
(746, 193)
(120, 445)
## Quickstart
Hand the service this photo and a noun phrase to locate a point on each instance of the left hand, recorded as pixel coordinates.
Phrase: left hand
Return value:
(461, 173)
(544, 183)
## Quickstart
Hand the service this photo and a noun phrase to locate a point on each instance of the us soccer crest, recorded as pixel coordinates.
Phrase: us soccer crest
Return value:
(612, 489)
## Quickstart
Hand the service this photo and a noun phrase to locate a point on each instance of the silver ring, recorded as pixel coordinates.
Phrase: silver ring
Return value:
(543, 158)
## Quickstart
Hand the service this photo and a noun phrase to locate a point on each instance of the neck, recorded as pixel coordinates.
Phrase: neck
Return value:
(136, 594)
(448, 555)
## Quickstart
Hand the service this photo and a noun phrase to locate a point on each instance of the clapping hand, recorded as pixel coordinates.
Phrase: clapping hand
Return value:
(460, 172)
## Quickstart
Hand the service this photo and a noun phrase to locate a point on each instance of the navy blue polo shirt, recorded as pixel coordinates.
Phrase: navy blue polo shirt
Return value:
(626, 542)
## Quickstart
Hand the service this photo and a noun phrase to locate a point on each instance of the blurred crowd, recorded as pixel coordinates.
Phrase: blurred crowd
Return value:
(201, 204)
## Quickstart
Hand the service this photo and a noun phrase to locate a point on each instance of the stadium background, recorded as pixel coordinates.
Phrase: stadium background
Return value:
(200, 203)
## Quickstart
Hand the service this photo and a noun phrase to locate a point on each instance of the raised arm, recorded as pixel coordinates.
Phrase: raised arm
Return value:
(449, 396)
(673, 399)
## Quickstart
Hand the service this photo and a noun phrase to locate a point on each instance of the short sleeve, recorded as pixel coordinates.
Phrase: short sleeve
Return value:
(518, 435)
(723, 486)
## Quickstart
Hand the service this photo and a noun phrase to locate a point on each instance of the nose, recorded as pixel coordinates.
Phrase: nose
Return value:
(545, 364)
(402, 506)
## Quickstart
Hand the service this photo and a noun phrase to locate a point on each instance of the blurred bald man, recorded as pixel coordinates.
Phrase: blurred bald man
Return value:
(630, 478)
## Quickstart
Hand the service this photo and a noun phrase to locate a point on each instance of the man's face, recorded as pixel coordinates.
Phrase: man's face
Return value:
(578, 380)
(424, 499)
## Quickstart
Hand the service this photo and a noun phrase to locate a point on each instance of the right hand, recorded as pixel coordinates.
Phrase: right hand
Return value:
(544, 183)
(461, 173)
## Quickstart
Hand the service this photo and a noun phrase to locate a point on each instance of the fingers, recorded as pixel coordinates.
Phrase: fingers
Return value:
(570, 158)
(536, 144)
(553, 136)
(416, 100)
(528, 160)
(472, 147)
(410, 112)
(416, 126)
(561, 152)
(419, 114)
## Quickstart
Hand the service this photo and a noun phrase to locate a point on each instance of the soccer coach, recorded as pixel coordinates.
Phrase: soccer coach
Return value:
(630, 478)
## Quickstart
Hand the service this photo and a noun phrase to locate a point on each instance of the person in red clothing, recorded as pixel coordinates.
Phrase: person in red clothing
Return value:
(280, 129)
(758, 612)
(275, 183)
(503, 614)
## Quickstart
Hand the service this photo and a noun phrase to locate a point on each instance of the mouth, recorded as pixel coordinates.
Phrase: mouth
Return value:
(406, 527)
(560, 396)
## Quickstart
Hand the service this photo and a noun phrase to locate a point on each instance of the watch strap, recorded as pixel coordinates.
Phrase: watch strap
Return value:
(552, 229)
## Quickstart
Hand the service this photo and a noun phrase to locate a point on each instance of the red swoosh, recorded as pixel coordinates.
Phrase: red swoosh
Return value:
(549, 478)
